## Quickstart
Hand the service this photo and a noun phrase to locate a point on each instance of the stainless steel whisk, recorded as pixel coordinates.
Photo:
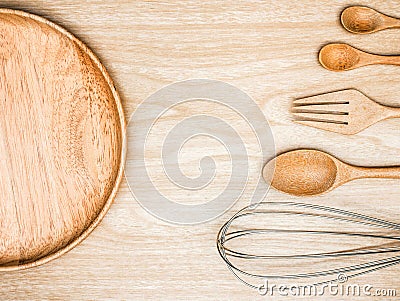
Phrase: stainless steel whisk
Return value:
(348, 243)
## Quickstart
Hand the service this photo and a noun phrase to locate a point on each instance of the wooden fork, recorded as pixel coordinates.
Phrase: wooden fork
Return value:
(346, 112)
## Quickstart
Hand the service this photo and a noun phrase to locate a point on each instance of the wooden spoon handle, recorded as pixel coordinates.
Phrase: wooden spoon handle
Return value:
(386, 60)
(377, 172)
(391, 22)
(392, 112)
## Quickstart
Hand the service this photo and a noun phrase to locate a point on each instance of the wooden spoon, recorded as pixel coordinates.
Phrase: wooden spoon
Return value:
(62, 141)
(341, 57)
(362, 20)
(310, 172)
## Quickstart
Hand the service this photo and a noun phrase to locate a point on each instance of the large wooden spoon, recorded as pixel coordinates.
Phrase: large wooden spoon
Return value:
(310, 172)
(342, 57)
(362, 19)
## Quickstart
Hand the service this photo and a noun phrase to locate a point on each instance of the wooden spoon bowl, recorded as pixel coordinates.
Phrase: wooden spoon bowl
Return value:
(62, 145)
(339, 57)
(311, 172)
(362, 19)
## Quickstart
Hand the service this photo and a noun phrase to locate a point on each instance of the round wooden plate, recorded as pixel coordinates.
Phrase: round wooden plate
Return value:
(62, 140)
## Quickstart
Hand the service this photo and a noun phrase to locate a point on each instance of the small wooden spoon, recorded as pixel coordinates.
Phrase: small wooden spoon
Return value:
(310, 172)
(342, 57)
(362, 20)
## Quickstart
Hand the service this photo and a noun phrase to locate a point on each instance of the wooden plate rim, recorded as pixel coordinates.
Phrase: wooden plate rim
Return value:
(118, 103)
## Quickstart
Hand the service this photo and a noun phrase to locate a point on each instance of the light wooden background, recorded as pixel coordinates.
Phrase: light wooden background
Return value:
(269, 50)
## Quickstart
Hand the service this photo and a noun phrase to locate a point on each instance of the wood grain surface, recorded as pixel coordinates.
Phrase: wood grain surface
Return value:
(268, 49)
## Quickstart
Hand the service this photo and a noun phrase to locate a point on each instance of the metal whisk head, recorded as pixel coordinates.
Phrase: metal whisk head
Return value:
(305, 244)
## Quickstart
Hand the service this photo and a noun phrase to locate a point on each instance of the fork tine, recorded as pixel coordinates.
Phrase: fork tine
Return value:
(317, 101)
(337, 97)
(337, 109)
(325, 117)
(332, 127)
